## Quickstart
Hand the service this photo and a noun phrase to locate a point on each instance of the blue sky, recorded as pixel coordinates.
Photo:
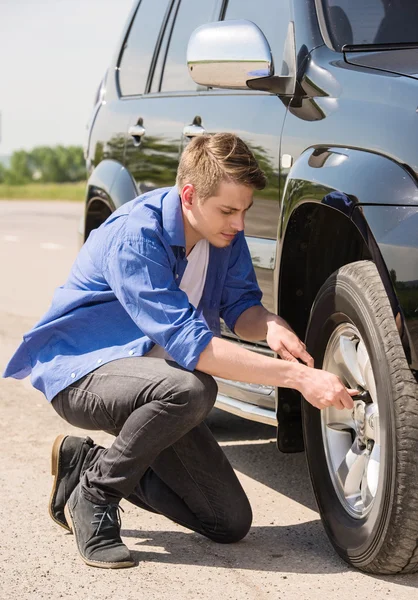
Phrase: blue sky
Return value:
(53, 54)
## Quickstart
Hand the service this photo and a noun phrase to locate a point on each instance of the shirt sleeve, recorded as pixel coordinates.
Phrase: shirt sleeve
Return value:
(141, 277)
(241, 289)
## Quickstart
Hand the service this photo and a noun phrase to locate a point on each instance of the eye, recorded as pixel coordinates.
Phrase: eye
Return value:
(225, 212)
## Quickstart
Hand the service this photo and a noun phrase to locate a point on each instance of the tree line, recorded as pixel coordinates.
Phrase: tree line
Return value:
(44, 164)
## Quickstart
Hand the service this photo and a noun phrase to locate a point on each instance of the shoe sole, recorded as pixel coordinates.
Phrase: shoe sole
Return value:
(93, 563)
(55, 468)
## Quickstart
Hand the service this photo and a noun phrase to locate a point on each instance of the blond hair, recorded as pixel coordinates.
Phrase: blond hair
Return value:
(210, 159)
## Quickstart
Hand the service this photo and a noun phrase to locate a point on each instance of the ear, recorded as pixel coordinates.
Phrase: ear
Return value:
(187, 195)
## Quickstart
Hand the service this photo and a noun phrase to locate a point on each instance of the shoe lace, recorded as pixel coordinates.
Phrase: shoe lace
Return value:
(109, 516)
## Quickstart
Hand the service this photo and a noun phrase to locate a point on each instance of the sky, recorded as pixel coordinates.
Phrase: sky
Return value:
(53, 55)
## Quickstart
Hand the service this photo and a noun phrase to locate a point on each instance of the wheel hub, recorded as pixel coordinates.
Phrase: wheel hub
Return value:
(352, 437)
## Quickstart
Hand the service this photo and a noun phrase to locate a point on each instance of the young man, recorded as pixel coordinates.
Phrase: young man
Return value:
(130, 346)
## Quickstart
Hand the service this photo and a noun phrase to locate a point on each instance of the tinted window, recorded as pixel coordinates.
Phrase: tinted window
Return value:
(191, 14)
(271, 16)
(139, 49)
(371, 21)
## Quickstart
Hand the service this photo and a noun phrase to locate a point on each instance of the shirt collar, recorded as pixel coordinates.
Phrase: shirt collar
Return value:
(173, 226)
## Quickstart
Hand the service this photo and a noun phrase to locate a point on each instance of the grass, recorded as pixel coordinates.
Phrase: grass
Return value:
(44, 191)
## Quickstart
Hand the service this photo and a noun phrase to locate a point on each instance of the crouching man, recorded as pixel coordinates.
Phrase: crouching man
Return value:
(131, 345)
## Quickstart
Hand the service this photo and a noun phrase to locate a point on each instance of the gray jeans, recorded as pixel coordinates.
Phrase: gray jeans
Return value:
(163, 453)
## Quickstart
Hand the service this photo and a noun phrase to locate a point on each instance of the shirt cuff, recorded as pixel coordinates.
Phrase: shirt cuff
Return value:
(187, 345)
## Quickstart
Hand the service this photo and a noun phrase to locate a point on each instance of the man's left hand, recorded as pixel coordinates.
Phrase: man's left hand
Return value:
(282, 339)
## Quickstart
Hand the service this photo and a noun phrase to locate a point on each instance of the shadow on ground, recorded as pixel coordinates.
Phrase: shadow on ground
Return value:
(274, 549)
(263, 462)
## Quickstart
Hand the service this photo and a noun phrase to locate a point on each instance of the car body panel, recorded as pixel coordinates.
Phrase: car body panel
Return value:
(401, 62)
(340, 104)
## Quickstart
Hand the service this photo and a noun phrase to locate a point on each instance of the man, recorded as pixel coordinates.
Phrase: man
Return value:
(130, 346)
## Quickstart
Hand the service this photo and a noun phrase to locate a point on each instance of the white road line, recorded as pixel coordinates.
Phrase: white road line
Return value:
(51, 246)
(10, 238)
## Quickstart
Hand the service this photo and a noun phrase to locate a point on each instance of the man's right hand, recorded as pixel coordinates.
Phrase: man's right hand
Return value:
(323, 389)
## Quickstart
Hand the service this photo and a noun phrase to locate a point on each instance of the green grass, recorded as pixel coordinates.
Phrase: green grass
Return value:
(44, 191)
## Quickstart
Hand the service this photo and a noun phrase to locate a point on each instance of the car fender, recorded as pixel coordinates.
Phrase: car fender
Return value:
(112, 178)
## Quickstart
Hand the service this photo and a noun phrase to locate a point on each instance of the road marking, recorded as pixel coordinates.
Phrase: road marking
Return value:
(10, 238)
(51, 246)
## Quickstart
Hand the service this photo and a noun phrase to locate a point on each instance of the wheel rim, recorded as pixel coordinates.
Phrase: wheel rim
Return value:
(352, 437)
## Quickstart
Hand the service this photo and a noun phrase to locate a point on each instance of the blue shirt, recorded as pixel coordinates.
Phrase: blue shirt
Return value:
(122, 296)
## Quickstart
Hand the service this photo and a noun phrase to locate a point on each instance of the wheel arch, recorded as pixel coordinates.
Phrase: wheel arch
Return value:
(109, 186)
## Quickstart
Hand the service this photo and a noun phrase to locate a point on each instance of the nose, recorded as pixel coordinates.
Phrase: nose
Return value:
(238, 223)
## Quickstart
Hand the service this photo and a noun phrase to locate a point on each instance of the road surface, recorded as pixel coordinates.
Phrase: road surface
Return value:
(285, 556)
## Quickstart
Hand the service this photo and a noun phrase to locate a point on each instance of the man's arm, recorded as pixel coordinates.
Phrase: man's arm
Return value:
(257, 323)
(228, 360)
(252, 324)
(243, 313)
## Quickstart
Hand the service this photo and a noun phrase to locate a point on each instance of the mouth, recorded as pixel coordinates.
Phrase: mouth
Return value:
(228, 237)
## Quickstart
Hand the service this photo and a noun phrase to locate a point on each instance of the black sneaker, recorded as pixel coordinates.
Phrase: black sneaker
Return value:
(96, 528)
(68, 456)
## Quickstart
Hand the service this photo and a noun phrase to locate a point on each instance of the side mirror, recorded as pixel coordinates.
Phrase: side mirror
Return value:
(236, 55)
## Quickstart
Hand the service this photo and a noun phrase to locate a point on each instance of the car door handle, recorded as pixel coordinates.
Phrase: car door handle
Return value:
(193, 130)
(136, 131)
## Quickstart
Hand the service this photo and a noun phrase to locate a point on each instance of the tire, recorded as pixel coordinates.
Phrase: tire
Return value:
(374, 527)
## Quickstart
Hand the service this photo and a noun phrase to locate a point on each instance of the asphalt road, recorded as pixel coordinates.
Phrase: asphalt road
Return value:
(286, 555)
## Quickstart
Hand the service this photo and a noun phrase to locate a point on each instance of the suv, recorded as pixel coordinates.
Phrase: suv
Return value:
(325, 94)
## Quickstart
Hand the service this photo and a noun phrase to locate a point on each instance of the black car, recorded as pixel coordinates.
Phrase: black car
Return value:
(325, 94)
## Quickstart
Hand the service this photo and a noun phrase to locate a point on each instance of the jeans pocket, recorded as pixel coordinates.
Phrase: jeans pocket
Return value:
(84, 409)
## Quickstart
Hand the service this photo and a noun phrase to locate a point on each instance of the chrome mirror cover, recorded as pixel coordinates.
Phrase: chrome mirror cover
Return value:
(227, 54)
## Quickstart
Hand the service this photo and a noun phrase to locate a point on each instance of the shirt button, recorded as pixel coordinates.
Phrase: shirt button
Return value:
(73, 375)
(131, 352)
(99, 361)
(177, 276)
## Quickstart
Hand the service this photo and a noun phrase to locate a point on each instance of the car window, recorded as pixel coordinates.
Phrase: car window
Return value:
(271, 16)
(139, 48)
(190, 15)
(370, 21)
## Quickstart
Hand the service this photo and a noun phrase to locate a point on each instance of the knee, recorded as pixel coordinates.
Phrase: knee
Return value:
(235, 526)
(199, 391)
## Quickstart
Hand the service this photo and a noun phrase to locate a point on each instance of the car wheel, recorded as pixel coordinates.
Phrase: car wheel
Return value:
(362, 462)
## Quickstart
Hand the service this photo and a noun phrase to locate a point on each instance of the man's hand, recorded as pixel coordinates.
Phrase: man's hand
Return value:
(323, 389)
(282, 339)
(319, 388)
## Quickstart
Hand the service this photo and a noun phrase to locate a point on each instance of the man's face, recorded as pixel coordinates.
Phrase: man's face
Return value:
(219, 216)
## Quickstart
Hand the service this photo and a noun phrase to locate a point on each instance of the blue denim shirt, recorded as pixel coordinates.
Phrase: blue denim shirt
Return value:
(123, 295)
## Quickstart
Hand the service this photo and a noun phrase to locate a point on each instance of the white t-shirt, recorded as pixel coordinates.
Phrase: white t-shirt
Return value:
(192, 283)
